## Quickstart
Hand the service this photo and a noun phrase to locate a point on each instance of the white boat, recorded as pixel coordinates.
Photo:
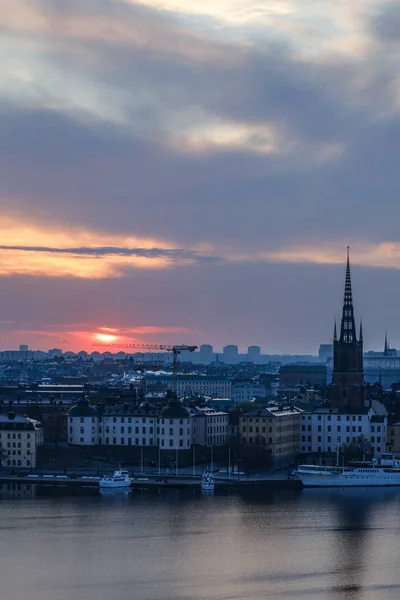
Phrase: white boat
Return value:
(370, 475)
(207, 482)
(120, 479)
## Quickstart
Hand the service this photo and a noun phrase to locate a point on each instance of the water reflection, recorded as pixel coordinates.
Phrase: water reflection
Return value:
(176, 545)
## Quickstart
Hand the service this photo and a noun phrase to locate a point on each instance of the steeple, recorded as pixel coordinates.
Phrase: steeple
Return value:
(385, 351)
(348, 326)
(334, 332)
(347, 388)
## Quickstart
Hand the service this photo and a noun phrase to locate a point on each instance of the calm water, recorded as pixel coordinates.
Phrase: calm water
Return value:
(176, 546)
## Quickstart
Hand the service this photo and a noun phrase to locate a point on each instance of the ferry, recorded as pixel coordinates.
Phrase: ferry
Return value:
(120, 479)
(386, 473)
(207, 482)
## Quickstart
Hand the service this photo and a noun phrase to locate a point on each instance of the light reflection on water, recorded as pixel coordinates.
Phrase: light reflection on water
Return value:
(319, 544)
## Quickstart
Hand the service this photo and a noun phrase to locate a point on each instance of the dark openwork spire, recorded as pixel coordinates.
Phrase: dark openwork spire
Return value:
(348, 326)
(334, 332)
(386, 345)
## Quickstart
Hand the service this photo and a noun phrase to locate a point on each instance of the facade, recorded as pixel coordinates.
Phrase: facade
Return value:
(277, 428)
(309, 375)
(325, 352)
(324, 430)
(393, 438)
(192, 385)
(254, 353)
(245, 391)
(347, 387)
(20, 437)
(173, 427)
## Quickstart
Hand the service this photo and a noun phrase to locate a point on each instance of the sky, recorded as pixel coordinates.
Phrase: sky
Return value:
(191, 171)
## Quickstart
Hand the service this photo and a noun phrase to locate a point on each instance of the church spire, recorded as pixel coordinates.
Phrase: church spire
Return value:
(386, 345)
(361, 339)
(348, 326)
(334, 332)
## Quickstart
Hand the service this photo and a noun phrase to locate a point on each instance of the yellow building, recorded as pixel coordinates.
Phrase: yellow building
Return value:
(20, 437)
(393, 438)
(275, 427)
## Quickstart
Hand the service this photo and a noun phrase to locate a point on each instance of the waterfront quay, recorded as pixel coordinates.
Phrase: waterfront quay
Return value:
(143, 481)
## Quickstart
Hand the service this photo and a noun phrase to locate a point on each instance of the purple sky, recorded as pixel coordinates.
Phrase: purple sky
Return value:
(191, 171)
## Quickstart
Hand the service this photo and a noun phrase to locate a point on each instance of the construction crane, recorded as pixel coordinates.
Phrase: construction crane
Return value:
(176, 350)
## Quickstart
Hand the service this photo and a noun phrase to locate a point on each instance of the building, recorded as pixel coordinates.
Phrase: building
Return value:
(254, 353)
(20, 437)
(307, 375)
(393, 438)
(275, 427)
(211, 427)
(83, 424)
(347, 387)
(174, 427)
(245, 391)
(325, 352)
(191, 385)
(230, 354)
(324, 430)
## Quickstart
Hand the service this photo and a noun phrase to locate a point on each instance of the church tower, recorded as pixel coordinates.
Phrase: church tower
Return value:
(347, 388)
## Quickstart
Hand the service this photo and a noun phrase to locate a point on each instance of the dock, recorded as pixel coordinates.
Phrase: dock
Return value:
(148, 481)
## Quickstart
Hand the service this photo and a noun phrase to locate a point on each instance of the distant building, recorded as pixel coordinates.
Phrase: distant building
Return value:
(230, 354)
(277, 428)
(191, 385)
(325, 352)
(55, 353)
(254, 353)
(20, 437)
(244, 391)
(307, 375)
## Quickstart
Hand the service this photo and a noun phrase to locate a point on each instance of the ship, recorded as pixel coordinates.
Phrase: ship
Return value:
(383, 473)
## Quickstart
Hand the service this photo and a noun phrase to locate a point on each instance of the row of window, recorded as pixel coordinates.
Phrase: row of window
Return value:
(171, 443)
(338, 417)
(329, 449)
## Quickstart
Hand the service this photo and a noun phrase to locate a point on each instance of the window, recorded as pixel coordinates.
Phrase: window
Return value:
(171, 443)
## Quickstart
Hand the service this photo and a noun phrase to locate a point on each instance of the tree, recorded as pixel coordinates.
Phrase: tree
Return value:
(357, 450)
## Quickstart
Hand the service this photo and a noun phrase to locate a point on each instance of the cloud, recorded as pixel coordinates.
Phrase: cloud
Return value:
(236, 141)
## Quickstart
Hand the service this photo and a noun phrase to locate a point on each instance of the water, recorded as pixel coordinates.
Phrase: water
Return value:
(322, 544)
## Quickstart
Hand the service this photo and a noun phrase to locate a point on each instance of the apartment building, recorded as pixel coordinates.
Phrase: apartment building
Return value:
(20, 437)
(277, 428)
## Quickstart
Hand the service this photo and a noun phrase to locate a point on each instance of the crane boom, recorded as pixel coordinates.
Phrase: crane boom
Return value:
(176, 349)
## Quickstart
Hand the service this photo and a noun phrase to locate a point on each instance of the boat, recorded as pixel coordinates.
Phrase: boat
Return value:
(207, 482)
(119, 479)
(373, 474)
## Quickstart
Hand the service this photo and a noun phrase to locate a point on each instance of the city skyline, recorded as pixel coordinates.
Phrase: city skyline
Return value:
(180, 172)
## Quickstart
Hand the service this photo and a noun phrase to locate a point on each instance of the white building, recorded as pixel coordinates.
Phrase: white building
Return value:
(191, 385)
(20, 437)
(325, 429)
(245, 391)
(173, 427)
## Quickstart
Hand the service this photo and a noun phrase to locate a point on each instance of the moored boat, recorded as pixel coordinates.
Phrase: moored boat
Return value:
(119, 479)
(207, 482)
(369, 475)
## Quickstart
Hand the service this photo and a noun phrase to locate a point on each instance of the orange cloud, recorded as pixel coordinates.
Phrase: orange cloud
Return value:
(81, 252)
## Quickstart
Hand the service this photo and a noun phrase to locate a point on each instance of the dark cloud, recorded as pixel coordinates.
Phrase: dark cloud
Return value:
(101, 252)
